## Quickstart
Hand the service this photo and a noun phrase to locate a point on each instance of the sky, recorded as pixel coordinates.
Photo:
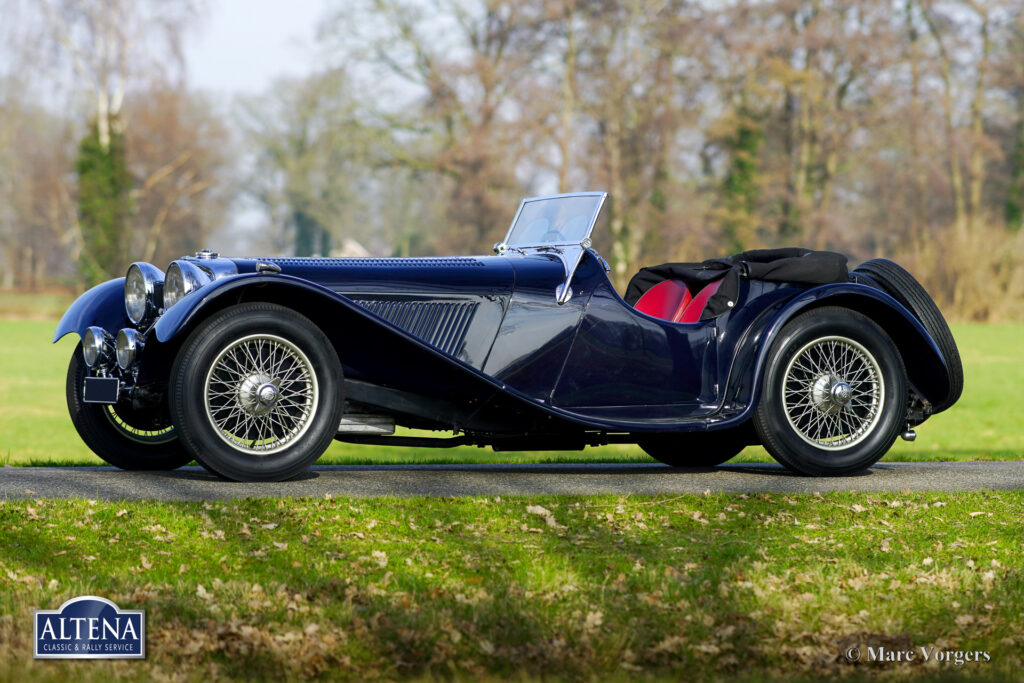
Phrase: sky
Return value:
(243, 45)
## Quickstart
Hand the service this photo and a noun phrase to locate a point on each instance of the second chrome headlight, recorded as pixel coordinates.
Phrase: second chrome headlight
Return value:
(143, 292)
(182, 279)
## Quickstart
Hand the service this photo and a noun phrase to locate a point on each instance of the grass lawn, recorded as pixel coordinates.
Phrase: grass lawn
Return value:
(986, 424)
(717, 586)
(721, 587)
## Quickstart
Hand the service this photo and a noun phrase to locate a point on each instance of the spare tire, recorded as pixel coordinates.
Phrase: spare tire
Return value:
(895, 281)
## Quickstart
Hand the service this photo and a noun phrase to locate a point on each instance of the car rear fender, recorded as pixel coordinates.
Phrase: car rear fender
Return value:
(926, 368)
(102, 306)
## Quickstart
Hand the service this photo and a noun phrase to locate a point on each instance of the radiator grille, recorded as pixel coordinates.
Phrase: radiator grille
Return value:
(440, 323)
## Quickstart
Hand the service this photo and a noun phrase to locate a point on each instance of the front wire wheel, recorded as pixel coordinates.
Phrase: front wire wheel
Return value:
(834, 395)
(119, 434)
(149, 435)
(261, 394)
(256, 392)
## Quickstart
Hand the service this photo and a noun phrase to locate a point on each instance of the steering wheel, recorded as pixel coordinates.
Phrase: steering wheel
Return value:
(553, 235)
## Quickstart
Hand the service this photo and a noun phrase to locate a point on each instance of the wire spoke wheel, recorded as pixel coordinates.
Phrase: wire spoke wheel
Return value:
(261, 394)
(119, 434)
(832, 392)
(138, 434)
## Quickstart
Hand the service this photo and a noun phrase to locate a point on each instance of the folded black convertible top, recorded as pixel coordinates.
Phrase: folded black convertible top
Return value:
(791, 264)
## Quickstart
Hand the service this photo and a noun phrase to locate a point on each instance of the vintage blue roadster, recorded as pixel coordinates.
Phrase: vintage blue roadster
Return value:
(251, 366)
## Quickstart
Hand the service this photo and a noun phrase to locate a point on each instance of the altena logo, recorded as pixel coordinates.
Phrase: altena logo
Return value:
(89, 627)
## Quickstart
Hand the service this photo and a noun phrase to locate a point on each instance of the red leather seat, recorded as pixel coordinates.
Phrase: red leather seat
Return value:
(671, 300)
(665, 300)
(693, 310)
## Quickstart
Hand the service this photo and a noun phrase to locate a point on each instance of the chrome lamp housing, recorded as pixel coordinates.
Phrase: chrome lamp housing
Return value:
(128, 346)
(183, 278)
(143, 293)
(96, 346)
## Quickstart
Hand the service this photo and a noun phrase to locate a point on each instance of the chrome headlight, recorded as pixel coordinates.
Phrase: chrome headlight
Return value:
(94, 346)
(129, 345)
(182, 279)
(143, 292)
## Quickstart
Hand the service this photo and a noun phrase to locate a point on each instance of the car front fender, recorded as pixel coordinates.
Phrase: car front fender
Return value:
(102, 306)
(181, 317)
(926, 368)
(373, 350)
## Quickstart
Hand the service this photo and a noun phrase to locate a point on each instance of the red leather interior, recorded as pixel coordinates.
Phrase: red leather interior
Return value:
(691, 313)
(671, 300)
(664, 300)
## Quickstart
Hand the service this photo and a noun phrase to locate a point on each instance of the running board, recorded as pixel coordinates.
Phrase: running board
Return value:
(366, 424)
(415, 441)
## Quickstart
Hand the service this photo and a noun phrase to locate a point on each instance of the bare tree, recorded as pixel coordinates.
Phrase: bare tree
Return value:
(314, 158)
(466, 66)
(180, 150)
(109, 44)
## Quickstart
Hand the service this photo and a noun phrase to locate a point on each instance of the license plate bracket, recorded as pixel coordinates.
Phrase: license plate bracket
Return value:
(101, 390)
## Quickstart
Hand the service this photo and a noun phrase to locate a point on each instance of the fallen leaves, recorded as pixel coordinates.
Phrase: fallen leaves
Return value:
(593, 621)
(544, 514)
(663, 587)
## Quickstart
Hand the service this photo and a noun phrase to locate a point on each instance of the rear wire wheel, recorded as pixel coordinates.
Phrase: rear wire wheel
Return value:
(834, 394)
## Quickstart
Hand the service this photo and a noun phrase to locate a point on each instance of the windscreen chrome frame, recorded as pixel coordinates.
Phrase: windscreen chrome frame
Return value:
(569, 253)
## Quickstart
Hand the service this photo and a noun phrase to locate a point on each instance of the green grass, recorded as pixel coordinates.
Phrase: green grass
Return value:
(986, 424)
(568, 587)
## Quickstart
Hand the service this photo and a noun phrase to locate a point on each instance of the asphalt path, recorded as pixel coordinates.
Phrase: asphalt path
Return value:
(194, 483)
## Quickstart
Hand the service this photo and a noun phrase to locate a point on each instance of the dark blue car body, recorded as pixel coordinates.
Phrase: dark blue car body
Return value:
(479, 345)
(252, 366)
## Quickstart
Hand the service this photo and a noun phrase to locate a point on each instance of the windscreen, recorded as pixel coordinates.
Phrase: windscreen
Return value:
(554, 220)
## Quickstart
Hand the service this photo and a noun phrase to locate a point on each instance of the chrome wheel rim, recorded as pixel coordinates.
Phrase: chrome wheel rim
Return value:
(261, 394)
(143, 436)
(832, 393)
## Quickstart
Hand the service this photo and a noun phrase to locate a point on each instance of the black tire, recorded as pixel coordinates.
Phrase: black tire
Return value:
(222, 428)
(696, 449)
(119, 434)
(895, 281)
(801, 400)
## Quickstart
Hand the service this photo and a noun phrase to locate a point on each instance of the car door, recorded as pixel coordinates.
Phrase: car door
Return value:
(626, 364)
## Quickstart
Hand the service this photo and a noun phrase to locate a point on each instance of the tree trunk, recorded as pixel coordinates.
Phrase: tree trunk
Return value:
(619, 229)
(1014, 210)
(919, 212)
(568, 99)
(799, 147)
(976, 163)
